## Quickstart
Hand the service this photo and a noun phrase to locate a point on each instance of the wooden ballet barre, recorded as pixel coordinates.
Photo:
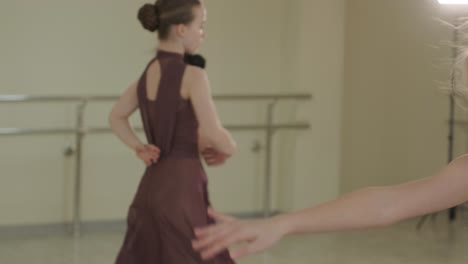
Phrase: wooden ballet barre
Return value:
(96, 130)
(461, 122)
(80, 131)
(286, 126)
(12, 131)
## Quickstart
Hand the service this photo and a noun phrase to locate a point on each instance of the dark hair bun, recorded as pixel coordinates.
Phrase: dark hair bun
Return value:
(149, 17)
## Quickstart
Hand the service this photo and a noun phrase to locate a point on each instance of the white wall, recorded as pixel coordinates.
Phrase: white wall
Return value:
(65, 47)
(394, 127)
(98, 47)
(377, 115)
(313, 56)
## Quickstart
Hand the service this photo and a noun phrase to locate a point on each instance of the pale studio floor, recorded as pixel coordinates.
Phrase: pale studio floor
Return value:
(437, 242)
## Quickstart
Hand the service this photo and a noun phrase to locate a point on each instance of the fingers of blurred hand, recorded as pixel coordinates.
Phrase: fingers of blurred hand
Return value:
(215, 161)
(208, 154)
(154, 156)
(207, 150)
(221, 243)
(207, 158)
(211, 161)
(148, 149)
(201, 232)
(153, 148)
(213, 238)
(219, 217)
(147, 158)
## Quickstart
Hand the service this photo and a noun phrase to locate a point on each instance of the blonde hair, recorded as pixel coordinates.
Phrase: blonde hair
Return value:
(459, 79)
(457, 86)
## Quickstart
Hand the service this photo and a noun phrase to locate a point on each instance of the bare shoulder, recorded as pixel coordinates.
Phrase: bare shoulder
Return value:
(195, 80)
(195, 74)
(154, 67)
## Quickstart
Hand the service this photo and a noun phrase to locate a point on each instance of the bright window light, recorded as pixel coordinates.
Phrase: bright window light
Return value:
(453, 2)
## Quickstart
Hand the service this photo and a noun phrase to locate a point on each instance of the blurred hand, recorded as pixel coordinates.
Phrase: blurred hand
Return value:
(258, 235)
(213, 157)
(148, 153)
